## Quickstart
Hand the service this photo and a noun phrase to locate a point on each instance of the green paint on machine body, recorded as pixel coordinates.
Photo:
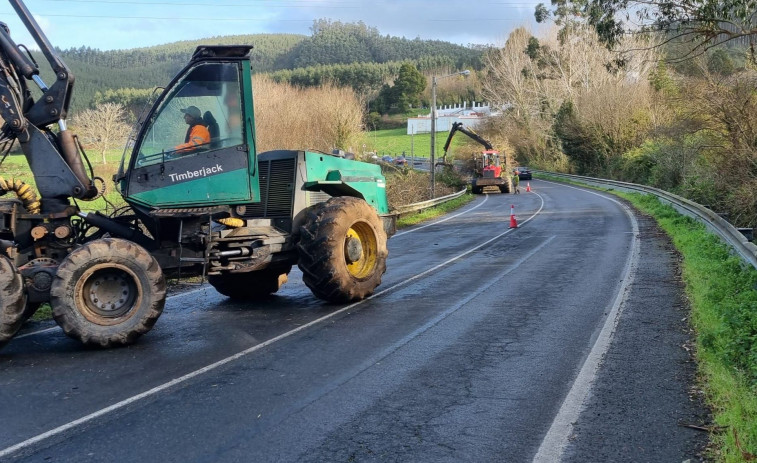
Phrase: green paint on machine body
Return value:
(343, 177)
(227, 188)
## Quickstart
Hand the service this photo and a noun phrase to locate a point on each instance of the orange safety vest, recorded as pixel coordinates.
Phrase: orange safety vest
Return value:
(196, 136)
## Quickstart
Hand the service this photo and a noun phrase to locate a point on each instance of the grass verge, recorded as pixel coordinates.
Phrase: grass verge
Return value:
(435, 211)
(396, 141)
(722, 291)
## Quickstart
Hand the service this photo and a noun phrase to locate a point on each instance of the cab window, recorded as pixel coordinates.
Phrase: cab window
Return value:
(202, 112)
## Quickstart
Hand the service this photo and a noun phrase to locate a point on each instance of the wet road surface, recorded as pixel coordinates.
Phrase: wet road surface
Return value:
(467, 352)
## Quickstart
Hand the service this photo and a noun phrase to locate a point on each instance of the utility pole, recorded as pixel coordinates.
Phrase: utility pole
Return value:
(433, 125)
(412, 144)
(433, 137)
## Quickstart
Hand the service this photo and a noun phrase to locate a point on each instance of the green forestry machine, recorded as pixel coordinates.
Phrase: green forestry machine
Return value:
(211, 206)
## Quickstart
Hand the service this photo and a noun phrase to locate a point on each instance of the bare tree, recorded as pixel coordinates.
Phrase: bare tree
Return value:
(703, 24)
(533, 77)
(102, 128)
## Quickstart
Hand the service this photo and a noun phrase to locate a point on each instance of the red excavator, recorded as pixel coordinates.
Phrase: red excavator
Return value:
(488, 171)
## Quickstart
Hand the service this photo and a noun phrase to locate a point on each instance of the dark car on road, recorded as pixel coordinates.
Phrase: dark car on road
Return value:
(400, 160)
(524, 173)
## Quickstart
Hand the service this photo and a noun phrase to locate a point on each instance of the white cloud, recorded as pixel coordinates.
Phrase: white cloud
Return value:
(44, 23)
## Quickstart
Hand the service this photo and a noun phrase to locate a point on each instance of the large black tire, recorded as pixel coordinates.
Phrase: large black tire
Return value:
(13, 311)
(477, 190)
(108, 292)
(250, 286)
(342, 250)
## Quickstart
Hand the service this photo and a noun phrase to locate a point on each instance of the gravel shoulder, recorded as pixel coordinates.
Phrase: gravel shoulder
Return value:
(645, 397)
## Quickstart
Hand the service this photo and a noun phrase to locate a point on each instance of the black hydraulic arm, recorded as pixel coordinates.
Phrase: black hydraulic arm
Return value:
(458, 127)
(53, 105)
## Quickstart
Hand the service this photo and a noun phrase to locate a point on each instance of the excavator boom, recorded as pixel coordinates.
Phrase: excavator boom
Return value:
(458, 127)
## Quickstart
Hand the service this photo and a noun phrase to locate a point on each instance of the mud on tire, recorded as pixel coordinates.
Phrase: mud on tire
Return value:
(250, 286)
(108, 292)
(13, 311)
(342, 250)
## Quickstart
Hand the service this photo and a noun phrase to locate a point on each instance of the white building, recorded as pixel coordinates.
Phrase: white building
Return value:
(447, 115)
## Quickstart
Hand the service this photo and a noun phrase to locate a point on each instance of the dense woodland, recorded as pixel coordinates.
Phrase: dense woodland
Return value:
(352, 55)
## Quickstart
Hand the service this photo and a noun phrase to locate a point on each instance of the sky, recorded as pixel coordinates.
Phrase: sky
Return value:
(123, 24)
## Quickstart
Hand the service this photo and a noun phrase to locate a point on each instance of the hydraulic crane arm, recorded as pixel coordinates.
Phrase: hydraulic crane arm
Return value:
(53, 105)
(458, 127)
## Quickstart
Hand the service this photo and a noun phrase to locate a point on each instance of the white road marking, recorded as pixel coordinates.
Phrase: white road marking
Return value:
(53, 328)
(554, 442)
(444, 219)
(162, 387)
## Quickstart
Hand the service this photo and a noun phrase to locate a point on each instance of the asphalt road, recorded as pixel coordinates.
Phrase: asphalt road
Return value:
(482, 344)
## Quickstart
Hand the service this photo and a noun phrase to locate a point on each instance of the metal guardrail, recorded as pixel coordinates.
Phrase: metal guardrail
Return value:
(716, 224)
(416, 207)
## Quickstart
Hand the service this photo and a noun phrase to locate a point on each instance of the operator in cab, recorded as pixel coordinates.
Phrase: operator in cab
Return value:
(197, 133)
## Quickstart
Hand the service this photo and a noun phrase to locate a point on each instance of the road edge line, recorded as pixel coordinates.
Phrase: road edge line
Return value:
(8, 451)
(556, 439)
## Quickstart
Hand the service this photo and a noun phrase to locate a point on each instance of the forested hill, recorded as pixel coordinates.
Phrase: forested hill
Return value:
(267, 49)
(331, 43)
(340, 43)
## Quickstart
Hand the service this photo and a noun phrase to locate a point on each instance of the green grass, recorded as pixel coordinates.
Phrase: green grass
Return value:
(435, 211)
(723, 296)
(16, 166)
(722, 291)
(45, 312)
(396, 141)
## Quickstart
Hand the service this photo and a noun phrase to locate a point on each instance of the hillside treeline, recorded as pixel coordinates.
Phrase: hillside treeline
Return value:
(345, 54)
(362, 77)
(334, 42)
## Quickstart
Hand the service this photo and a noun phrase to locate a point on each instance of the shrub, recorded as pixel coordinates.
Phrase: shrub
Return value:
(316, 118)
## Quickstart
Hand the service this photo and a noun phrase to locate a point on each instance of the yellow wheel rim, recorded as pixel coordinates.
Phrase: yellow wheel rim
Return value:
(360, 250)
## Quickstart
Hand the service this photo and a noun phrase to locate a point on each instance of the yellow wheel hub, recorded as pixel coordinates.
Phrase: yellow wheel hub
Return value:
(360, 250)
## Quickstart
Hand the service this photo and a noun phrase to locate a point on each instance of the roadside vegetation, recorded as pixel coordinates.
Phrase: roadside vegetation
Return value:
(722, 293)
(723, 296)
(676, 109)
(434, 212)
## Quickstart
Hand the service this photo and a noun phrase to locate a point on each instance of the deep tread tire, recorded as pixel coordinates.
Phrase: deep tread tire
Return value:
(250, 286)
(13, 311)
(477, 190)
(504, 188)
(323, 239)
(107, 260)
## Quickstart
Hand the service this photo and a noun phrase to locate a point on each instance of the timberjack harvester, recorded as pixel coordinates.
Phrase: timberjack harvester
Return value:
(220, 210)
(488, 171)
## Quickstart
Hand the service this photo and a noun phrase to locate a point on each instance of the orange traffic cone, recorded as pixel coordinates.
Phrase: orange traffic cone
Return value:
(528, 187)
(513, 222)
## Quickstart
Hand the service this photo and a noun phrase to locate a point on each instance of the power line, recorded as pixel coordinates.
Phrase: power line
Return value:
(292, 4)
(289, 4)
(176, 18)
(172, 18)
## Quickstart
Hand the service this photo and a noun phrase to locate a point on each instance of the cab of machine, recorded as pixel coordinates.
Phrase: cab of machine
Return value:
(197, 144)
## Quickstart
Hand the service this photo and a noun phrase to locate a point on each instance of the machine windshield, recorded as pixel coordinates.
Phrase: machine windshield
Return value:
(202, 112)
